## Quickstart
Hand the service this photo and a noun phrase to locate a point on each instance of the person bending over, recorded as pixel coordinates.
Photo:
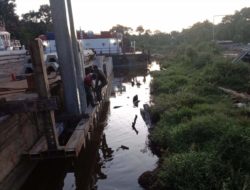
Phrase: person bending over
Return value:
(101, 81)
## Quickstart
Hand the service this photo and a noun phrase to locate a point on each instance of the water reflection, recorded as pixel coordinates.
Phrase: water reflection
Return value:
(118, 152)
(126, 131)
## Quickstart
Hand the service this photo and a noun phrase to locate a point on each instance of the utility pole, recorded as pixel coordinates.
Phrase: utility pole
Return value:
(65, 56)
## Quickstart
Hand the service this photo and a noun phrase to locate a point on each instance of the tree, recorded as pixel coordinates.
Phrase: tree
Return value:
(140, 29)
(121, 29)
(157, 32)
(36, 23)
(8, 16)
(32, 16)
(148, 32)
(235, 27)
(45, 14)
(201, 31)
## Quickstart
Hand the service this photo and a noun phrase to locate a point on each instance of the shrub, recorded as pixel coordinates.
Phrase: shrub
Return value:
(201, 133)
(190, 171)
(233, 150)
(227, 74)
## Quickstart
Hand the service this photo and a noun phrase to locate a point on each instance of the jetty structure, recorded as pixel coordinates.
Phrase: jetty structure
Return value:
(45, 116)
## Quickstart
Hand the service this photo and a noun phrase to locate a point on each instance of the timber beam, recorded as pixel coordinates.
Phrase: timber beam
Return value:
(35, 105)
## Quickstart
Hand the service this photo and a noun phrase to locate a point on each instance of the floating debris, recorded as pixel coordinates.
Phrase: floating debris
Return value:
(133, 125)
(123, 147)
(132, 83)
(115, 107)
(135, 98)
(145, 115)
(138, 83)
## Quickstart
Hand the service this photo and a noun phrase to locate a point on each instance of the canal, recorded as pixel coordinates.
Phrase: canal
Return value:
(118, 153)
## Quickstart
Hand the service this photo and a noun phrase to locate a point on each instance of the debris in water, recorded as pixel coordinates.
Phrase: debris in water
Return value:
(145, 115)
(135, 100)
(133, 125)
(115, 107)
(123, 148)
(132, 83)
(138, 83)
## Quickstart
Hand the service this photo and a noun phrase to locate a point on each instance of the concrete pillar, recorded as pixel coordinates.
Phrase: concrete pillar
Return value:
(80, 71)
(65, 56)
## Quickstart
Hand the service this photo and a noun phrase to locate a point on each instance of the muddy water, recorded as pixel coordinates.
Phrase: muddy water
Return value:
(119, 151)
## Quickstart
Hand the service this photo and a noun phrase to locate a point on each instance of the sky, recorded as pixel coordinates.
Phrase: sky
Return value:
(163, 15)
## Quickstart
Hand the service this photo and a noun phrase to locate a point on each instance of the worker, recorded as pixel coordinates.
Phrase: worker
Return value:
(101, 81)
(88, 85)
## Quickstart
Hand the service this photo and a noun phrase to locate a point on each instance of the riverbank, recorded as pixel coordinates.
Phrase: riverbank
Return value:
(201, 134)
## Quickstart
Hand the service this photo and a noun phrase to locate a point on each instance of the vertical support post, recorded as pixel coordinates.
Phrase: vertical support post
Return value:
(80, 72)
(42, 88)
(65, 56)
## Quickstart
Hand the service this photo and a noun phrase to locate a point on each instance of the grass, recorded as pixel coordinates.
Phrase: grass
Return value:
(204, 140)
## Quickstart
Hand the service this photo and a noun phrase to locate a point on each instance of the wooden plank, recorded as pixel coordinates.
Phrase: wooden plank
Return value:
(42, 87)
(39, 147)
(4, 57)
(78, 138)
(10, 61)
(17, 177)
(20, 106)
(13, 52)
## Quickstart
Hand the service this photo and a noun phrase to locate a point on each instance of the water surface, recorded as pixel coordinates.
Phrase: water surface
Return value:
(119, 152)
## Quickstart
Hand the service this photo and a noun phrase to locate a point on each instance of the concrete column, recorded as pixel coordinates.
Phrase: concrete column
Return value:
(80, 71)
(65, 56)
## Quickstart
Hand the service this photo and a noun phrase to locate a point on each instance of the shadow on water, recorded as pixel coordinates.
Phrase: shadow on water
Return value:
(118, 152)
(78, 174)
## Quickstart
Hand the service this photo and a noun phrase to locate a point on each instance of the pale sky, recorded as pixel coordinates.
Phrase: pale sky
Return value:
(163, 15)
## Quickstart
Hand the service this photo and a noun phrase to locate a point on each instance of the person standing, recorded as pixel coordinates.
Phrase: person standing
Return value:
(101, 81)
(88, 85)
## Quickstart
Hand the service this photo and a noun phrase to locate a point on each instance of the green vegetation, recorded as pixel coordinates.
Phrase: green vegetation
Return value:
(30, 26)
(203, 139)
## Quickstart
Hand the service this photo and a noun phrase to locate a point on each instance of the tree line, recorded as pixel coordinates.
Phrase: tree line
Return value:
(30, 25)
(233, 27)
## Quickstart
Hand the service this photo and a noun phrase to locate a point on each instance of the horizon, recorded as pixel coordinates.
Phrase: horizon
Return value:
(157, 15)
